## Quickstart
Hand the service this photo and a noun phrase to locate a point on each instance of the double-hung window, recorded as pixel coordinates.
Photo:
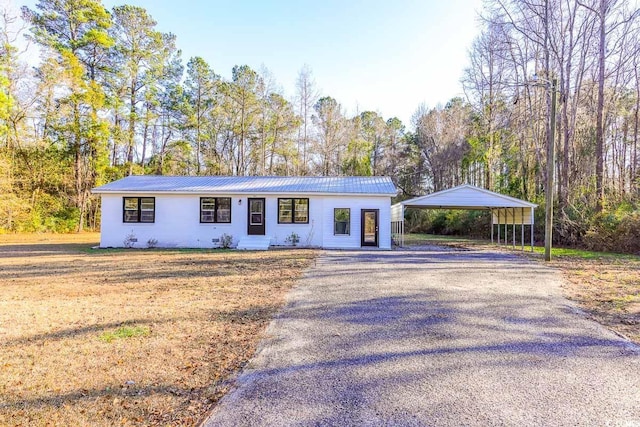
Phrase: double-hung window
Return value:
(342, 221)
(215, 209)
(138, 209)
(293, 211)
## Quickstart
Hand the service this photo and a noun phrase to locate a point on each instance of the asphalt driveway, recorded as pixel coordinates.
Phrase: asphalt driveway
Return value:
(437, 338)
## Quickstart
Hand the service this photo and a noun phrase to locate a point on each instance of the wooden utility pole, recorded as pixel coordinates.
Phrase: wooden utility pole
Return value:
(551, 166)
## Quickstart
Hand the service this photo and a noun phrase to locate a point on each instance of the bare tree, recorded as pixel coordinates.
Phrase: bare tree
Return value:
(306, 97)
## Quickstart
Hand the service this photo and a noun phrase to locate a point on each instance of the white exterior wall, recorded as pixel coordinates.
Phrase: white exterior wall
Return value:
(356, 204)
(310, 234)
(177, 221)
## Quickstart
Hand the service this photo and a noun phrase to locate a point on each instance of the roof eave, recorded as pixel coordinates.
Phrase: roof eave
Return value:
(488, 208)
(243, 193)
(519, 203)
(532, 205)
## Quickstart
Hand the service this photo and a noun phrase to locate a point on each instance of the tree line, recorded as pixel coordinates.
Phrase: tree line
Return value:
(587, 52)
(113, 96)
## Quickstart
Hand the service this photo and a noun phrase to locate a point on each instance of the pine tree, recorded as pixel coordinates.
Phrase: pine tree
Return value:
(74, 33)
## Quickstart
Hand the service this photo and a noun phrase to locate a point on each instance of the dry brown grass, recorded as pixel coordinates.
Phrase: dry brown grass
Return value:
(201, 314)
(608, 289)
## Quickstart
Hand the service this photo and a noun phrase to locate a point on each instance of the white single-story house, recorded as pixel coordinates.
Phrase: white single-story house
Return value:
(256, 211)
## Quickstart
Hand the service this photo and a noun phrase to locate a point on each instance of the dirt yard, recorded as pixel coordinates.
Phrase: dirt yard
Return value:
(128, 337)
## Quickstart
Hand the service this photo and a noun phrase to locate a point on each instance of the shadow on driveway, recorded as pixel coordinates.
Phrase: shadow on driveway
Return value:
(434, 338)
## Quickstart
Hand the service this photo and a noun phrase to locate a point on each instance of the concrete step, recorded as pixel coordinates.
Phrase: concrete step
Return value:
(254, 243)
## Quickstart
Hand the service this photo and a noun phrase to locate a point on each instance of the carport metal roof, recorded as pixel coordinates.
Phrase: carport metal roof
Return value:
(505, 210)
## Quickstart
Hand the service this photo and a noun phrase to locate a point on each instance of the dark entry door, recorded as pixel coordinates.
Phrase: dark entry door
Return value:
(369, 227)
(256, 217)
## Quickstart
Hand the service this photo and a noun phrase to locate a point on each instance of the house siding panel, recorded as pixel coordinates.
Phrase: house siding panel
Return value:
(177, 221)
(356, 204)
(310, 234)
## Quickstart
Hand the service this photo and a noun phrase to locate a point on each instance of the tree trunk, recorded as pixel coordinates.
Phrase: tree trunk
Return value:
(600, 110)
(198, 125)
(114, 151)
(132, 126)
(145, 136)
(78, 169)
(634, 165)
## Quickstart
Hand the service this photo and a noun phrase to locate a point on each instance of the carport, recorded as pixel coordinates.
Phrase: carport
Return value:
(505, 211)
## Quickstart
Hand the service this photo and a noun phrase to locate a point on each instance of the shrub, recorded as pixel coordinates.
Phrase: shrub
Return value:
(292, 239)
(611, 232)
(226, 241)
(130, 240)
(571, 225)
(449, 222)
(628, 234)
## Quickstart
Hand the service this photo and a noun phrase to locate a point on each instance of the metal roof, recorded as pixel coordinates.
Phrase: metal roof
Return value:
(373, 185)
(466, 197)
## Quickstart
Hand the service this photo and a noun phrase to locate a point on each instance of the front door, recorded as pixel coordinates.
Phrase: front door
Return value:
(256, 217)
(369, 227)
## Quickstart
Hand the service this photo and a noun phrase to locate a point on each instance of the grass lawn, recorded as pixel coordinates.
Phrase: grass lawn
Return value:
(128, 337)
(416, 239)
(605, 285)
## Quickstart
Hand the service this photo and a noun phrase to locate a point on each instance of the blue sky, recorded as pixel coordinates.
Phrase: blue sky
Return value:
(385, 56)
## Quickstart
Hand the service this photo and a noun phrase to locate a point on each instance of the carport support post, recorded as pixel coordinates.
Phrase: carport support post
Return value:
(522, 227)
(531, 222)
(504, 237)
(498, 227)
(402, 227)
(513, 226)
(506, 227)
(491, 213)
